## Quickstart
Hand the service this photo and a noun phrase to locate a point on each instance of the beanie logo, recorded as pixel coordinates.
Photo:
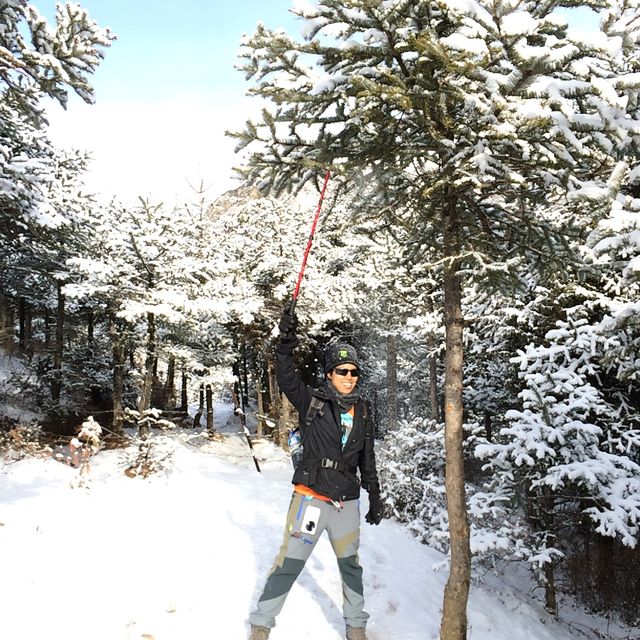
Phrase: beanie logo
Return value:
(343, 353)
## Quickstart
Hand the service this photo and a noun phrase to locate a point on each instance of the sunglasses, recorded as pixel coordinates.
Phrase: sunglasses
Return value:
(341, 371)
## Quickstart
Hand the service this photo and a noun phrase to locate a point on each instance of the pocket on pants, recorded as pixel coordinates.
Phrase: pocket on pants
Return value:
(310, 520)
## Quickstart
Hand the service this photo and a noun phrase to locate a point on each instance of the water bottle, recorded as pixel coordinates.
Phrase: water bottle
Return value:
(295, 447)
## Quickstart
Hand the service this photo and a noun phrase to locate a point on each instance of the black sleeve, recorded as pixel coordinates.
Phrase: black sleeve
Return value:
(367, 461)
(298, 393)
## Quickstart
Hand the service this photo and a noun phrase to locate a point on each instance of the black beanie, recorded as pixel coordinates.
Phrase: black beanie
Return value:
(339, 353)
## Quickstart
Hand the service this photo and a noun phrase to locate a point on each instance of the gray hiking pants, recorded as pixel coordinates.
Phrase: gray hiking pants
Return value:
(306, 520)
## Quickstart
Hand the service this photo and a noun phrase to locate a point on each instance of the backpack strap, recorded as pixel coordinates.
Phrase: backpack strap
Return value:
(316, 407)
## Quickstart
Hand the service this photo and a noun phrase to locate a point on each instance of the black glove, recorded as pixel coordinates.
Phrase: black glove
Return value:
(376, 507)
(288, 325)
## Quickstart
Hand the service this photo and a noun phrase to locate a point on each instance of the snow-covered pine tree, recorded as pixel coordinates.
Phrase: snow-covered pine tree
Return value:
(563, 447)
(459, 122)
(264, 238)
(572, 450)
(155, 277)
(404, 377)
(614, 251)
(33, 272)
(40, 197)
(39, 60)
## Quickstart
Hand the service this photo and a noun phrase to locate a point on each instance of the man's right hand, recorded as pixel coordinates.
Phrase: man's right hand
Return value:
(288, 325)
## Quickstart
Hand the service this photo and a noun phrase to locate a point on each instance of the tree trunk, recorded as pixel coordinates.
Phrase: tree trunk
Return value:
(28, 331)
(90, 330)
(169, 392)
(456, 594)
(145, 403)
(275, 401)
(56, 379)
(433, 372)
(25, 327)
(147, 386)
(274, 394)
(550, 601)
(6, 324)
(488, 426)
(392, 383)
(210, 426)
(245, 376)
(433, 388)
(200, 411)
(286, 421)
(22, 341)
(260, 406)
(118, 353)
(546, 507)
(184, 398)
(47, 330)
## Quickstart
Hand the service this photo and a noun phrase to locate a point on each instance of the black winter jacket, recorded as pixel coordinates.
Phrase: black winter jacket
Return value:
(322, 438)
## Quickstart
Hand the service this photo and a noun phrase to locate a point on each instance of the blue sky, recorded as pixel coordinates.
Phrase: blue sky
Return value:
(166, 92)
(171, 47)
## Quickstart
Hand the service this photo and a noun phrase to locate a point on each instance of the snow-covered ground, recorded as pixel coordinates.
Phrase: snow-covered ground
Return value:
(184, 553)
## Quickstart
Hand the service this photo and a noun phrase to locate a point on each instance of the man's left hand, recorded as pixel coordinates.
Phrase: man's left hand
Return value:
(376, 508)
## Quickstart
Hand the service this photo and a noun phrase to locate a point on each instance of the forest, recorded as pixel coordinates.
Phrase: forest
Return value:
(479, 244)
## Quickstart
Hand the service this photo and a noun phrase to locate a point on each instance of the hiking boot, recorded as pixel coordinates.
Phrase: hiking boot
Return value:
(260, 633)
(356, 633)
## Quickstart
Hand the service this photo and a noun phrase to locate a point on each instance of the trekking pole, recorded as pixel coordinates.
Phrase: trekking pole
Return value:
(247, 435)
(294, 299)
(243, 422)
(245, 430)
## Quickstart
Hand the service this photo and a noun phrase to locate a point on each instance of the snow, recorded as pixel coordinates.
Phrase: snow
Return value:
(185, 552)
(518, 23)
(460, 42)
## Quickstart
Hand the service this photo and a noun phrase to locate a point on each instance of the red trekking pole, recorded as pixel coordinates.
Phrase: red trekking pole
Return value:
(294, 300)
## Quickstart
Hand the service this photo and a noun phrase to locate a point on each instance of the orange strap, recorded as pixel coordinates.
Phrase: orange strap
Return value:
(303, 490)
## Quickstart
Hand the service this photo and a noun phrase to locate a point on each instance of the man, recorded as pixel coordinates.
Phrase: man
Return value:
(337, 442)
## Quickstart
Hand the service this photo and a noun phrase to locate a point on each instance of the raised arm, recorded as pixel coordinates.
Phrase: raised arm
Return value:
(289, 382)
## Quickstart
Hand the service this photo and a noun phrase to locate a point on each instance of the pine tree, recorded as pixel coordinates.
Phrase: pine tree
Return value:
(572, 448)
(459, 122)
(150, 271)
(40, 197)
(264, 268)
(49, 62)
